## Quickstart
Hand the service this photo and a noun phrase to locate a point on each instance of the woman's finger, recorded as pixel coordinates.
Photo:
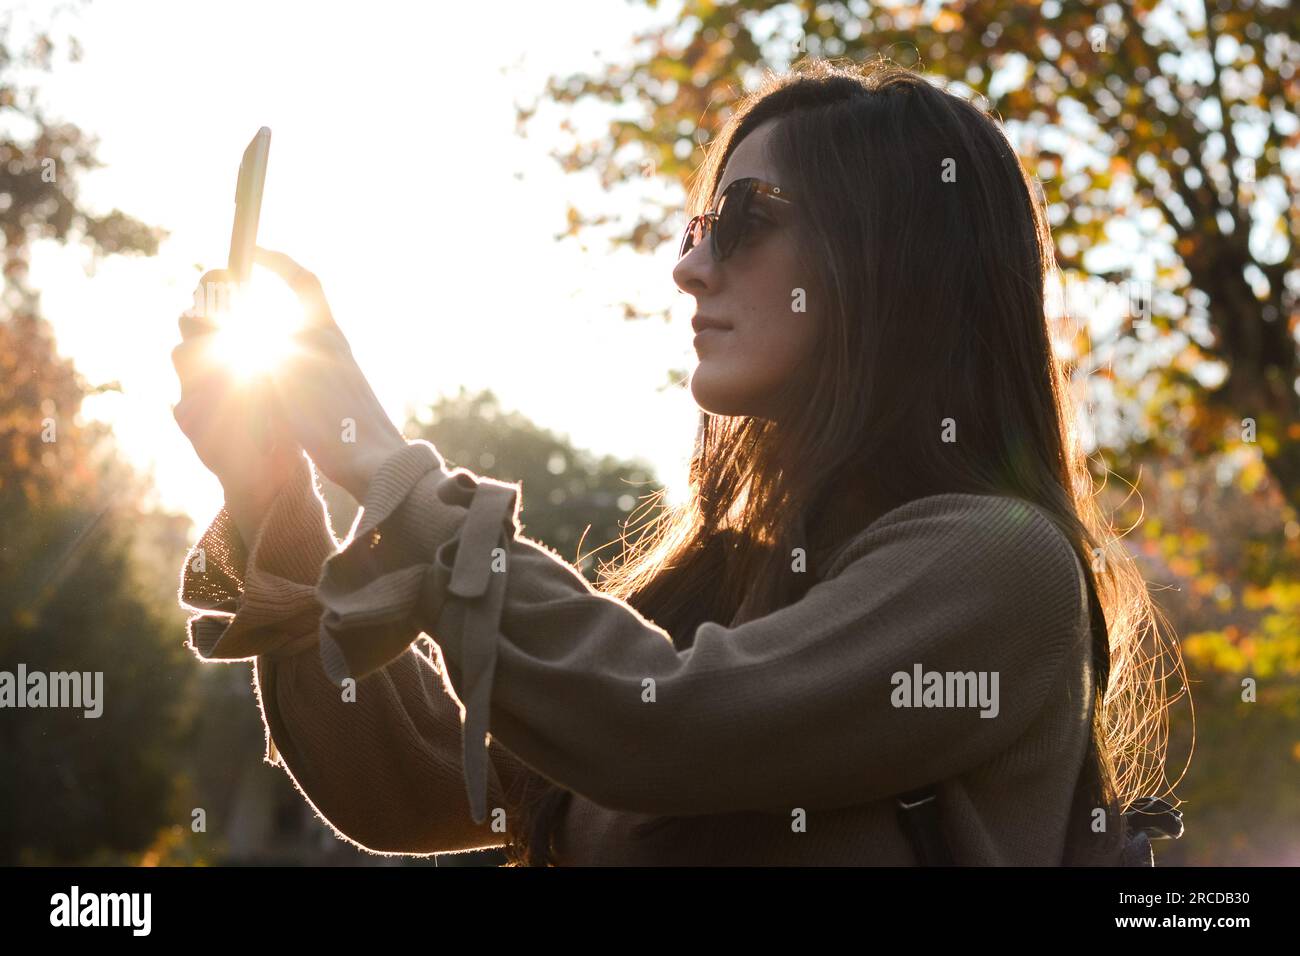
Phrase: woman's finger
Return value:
(213, 294)
(193, 413)
(322, 343)
(304, 283)
(194, 366)
(192, 325)
(216, 275)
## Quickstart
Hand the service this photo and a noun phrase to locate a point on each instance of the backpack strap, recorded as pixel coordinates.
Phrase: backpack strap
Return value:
(918, 815)
(1137, 851)
(1154, 817)
(1147, 819)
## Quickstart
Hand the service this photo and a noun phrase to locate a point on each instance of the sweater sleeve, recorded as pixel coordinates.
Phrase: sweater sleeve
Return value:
(380, 762)
(799, 708)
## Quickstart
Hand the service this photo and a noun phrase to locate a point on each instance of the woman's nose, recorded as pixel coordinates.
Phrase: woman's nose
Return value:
(694, 272)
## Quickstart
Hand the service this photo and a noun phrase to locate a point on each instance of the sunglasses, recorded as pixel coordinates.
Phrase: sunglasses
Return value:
(726, 227)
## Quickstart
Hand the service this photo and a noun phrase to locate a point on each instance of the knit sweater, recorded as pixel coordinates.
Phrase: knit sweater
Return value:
(780, 740)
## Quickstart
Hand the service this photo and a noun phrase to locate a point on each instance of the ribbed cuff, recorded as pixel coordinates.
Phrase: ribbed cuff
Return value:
(276, 603)
(212, 576)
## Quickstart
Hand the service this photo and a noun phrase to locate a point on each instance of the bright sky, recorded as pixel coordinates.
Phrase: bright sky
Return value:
(395, 174)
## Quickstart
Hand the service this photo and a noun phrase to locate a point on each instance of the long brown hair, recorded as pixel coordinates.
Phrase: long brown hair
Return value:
(932, 293)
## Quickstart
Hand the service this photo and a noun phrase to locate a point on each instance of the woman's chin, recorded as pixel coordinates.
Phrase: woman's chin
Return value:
(715, 395)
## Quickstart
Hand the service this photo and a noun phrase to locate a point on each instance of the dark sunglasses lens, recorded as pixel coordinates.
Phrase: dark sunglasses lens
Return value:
(731, 216)
(692, 237)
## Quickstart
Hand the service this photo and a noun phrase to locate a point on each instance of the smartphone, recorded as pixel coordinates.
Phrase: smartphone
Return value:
(248, 205)
(243, 238)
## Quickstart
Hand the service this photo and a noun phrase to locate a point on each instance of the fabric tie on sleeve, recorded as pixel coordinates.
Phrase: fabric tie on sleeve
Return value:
(367, 620)
(371, 617)
(482, 588)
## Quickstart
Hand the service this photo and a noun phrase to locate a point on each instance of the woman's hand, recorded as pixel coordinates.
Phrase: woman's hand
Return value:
(326, 401)
(222, 417)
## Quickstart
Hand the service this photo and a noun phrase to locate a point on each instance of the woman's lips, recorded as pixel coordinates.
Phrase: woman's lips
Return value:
(702, 322)
(707, 328)
(708, 334)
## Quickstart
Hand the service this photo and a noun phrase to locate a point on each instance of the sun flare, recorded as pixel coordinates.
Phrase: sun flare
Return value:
(255, 333)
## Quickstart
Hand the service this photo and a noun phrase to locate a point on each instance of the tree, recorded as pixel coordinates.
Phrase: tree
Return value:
(571, 500)
(1207, 165)
(73, 594)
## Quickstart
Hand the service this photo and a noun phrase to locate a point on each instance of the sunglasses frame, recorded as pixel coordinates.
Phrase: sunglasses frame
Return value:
(708, 223)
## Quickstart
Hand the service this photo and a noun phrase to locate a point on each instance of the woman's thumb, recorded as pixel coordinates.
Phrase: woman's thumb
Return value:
(303, 283)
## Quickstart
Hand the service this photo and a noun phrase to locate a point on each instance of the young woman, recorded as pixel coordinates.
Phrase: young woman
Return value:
(879, 583)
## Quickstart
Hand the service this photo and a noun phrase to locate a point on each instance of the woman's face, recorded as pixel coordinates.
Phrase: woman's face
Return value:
(761, 292)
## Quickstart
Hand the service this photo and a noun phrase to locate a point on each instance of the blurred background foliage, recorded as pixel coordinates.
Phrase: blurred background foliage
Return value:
(1197, 416)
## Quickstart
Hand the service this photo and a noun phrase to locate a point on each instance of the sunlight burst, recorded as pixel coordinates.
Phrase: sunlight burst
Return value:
(255, 333)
